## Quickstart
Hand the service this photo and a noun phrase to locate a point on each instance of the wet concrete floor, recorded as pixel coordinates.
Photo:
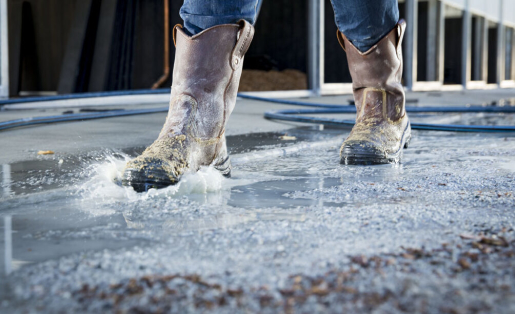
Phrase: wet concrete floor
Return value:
(291, 231)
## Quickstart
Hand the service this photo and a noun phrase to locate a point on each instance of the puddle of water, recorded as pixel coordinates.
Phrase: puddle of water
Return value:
(52, 172)
(510, 166)
(61, 205)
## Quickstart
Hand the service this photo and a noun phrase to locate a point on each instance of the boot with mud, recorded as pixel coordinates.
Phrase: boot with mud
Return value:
(382, 126)
(206, 76)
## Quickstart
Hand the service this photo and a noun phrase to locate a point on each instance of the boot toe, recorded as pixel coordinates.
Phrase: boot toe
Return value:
(363, 153)
(148, 173)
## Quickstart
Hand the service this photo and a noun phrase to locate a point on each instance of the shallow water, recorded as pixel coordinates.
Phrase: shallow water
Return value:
(289, 208)
(68, 198)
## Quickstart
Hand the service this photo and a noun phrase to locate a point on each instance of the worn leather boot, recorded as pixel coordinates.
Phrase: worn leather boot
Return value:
(382, 126)
(206, 76)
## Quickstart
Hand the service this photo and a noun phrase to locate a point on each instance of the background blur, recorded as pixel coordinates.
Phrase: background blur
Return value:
(73, 46)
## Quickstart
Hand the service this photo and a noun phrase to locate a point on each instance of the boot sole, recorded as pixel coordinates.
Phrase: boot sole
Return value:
(362, 156)
(142, 181)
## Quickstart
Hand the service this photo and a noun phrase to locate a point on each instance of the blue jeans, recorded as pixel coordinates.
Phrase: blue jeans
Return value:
(364, 22)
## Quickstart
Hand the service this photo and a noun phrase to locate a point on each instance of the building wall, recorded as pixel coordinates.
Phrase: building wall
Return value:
(39, 34)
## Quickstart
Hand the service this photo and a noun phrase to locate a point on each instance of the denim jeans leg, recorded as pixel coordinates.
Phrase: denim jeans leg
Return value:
(365, 22)
(199, 15)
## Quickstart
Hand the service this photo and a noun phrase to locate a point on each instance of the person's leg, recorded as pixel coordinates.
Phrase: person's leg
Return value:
(365, 22)
(371, 36)
(206, 74)
(199, 15)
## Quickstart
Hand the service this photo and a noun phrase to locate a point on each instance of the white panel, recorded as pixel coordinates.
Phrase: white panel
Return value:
(453, 12)
(493, 10)
(490, 8)
(457, 3)
(4, 52)
(509, 12)
(479, 7)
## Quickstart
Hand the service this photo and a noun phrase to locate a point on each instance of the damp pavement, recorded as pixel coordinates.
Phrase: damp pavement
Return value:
(292, 231)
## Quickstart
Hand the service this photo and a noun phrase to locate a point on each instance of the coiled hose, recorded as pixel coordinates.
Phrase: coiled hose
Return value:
(294, 115)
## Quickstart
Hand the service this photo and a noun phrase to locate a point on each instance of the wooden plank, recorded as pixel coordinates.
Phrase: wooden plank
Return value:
(70, 69)
(53, 20)
(14, 21)
(101, 57)
(29, 70)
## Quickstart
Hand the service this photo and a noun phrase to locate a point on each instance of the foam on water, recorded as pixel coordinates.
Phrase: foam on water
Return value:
(104, 187)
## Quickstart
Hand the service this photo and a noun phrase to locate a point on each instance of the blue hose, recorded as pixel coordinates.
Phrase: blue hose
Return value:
(77, 117)
(287, 115)
(294, 115)
(352, 109)
(84, 95)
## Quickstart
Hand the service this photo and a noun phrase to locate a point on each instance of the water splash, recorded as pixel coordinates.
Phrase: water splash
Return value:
(104, 188)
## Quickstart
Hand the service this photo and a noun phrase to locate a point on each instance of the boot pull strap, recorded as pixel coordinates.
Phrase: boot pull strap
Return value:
(242, 45)
(339, 35)
(174, 33)
(401, 29)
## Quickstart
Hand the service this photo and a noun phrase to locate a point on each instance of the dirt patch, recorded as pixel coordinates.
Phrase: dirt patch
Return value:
(484, 261)
(258, 80)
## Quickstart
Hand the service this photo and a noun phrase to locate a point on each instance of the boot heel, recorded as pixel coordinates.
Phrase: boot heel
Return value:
(224, 167)
(406, 144)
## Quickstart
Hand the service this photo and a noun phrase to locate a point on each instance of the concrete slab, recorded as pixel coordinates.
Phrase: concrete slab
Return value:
(291, 231)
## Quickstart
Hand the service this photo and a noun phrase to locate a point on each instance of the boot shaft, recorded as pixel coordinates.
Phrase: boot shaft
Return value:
(206, 76)
(376, 76)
